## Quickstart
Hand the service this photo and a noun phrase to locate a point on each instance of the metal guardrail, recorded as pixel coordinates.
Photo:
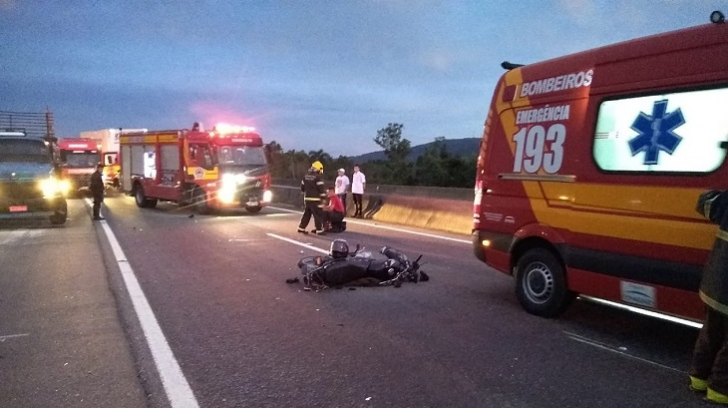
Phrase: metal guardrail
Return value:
(32, 124)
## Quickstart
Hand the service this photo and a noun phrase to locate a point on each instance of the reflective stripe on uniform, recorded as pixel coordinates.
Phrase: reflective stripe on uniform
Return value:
(713, 303)
(311, 199)
(722, 235)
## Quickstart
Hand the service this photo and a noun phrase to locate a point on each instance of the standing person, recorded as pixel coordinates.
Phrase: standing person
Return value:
(313, 195)
(342, 184)
(358, 181)
(97, 190)
(709, 369)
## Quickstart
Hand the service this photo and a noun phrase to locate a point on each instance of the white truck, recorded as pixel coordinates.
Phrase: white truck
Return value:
(109, 141)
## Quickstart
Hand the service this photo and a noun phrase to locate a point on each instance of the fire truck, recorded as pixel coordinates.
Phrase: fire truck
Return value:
(108, 139)
(79, 158)
(217, 169)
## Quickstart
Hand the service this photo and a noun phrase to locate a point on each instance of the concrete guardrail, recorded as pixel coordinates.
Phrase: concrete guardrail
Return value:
(438, 208)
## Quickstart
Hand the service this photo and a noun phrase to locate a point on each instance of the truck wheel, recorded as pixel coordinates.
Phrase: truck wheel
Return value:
(139, 197)
(541, 283)
(61, 215)
(253, 210)
(200, 201)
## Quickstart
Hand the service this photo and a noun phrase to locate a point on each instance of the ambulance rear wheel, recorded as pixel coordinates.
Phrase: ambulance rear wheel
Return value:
(541, 283)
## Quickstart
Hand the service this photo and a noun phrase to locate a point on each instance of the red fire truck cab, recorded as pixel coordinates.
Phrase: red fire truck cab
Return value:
(79, 158)
(222, 168)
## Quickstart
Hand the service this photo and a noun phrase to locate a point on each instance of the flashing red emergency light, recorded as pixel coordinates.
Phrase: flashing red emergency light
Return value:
(223, 128)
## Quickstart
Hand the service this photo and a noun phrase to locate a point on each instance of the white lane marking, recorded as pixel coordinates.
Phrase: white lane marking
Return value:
(246, 239)
(424, 234)
(175, 384)
(12, 336)
(14, 236)
(302, 244)
(602, 346)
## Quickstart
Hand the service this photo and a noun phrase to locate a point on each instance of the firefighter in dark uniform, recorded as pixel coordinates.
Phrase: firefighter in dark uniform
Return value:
(97, 190)
(314, 194)
(709, 369)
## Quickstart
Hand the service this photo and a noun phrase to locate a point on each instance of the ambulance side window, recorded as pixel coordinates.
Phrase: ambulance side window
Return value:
(668, 132)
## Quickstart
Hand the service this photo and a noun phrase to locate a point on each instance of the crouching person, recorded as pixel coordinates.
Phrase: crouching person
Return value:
(334, 212)
(709, 369)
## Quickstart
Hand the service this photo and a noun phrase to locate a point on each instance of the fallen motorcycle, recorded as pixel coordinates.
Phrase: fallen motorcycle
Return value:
(341, 267)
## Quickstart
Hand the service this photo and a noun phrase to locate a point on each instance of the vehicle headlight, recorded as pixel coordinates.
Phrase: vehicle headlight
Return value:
(267, 196)
(226, 193)
(228, 178)
(53, 187)
(233, 178)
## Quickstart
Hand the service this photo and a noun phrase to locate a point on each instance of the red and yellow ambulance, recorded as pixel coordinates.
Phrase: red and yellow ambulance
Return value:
(590, 168)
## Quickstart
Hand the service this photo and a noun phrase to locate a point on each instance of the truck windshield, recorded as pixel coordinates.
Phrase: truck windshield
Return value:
(241, 156)
(15, 150)
(83, 159)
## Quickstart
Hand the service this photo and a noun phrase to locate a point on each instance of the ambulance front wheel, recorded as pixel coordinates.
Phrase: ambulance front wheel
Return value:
(541, 283)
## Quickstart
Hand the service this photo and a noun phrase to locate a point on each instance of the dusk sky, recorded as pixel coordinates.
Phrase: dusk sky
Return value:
(308, 74)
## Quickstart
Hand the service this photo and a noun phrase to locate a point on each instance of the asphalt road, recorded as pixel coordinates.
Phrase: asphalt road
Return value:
(61, 341)
(242, 337)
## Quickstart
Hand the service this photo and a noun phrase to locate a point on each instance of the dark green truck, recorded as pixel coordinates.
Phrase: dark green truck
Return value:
(30, 183)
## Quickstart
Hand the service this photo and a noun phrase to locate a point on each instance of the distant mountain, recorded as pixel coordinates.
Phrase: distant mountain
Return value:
(456, 147)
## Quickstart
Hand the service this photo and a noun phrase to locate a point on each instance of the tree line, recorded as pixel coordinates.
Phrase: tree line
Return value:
(436, 167)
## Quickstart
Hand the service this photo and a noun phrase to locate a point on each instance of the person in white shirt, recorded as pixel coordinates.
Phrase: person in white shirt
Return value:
(341, 186)
(358, 181)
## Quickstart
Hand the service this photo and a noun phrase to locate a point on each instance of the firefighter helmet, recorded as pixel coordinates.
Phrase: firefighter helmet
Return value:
(339, 248)
(318, 166)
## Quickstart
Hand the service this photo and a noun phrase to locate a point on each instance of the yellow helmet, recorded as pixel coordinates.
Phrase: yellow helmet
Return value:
(318, 166)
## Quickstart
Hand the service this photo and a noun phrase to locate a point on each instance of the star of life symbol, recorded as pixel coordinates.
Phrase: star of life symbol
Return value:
(656, 132)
